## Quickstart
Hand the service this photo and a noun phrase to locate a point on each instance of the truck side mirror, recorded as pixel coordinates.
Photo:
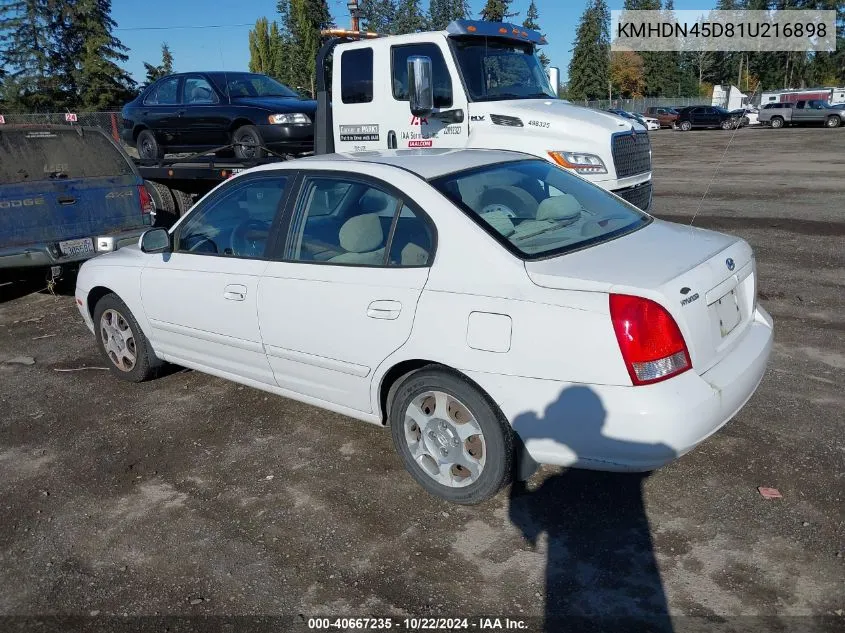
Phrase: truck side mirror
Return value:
(420, 85)
(554, 79)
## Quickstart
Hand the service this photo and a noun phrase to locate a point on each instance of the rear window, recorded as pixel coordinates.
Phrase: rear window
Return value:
(536, 209)
(37, 155)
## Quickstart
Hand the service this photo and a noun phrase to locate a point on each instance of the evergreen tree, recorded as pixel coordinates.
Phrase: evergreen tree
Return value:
(530, 22)
(672, 79)
(154, 73)
(307, 18)
(26, 53)
(588, 69)
(442, 12)
(409, 17)
(497, 11)
(265, 48)
(378, 15)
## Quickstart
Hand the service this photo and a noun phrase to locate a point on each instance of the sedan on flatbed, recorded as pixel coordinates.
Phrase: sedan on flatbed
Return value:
(492, 309)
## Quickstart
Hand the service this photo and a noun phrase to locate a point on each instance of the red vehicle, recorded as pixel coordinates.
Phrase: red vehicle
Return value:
(666, 116)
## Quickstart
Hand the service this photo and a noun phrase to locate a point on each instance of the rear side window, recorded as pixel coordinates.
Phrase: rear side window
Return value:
(38, 155)
(164, 92)
(356, 76)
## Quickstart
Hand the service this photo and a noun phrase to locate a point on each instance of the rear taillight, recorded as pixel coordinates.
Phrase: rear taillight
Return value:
(651, 343)
(147, 204)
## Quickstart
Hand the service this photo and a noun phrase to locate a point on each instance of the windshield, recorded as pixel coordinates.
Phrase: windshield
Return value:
(537, 209)
(249, 85)
(497, 69)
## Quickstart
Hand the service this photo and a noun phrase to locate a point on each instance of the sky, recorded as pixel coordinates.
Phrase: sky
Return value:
(185, 26)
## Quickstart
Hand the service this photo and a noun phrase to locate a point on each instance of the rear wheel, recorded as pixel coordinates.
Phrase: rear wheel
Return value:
(183, 199)
(452, 440)
(122, 342)
(833, 121)
(777, 122)
(164, 203)
(686, 126)
(148, 147)
(247, 141)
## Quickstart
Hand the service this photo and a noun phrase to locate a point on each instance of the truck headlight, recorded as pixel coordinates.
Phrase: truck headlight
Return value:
(293, 118)
(579, 162)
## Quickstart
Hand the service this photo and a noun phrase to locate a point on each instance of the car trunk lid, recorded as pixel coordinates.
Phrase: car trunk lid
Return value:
(706, 280)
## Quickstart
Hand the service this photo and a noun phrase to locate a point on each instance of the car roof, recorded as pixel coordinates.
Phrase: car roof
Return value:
(426, 163)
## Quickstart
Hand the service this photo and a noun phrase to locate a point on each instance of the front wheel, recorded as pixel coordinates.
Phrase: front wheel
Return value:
(122, 342)
(833, 121)
(247, 143)
(450, 437)
(686, 126)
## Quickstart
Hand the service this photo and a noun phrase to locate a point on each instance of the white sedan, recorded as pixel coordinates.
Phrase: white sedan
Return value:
(492, 309)
(650, 122)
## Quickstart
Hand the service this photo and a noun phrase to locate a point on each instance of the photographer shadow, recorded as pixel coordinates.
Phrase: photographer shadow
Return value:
(601, 572)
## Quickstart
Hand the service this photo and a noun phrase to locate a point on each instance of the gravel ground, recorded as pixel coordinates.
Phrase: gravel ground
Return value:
(191, 496)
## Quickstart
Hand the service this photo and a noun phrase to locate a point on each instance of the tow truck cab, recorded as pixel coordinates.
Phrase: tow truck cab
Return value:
(478, 85)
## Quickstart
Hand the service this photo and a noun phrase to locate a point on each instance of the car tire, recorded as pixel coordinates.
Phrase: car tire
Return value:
(148, 147)
(247, 141)
(164, 203)
(470, 467)
(833, 121)
(727, 124)
(777, 122)
(122, 343)
(685, 126)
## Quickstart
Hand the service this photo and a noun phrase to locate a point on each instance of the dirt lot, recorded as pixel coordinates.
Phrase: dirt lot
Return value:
(194, 496)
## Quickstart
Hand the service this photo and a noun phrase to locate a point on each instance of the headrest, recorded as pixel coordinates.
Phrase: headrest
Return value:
(361, 234)
(413, 255)
(500, 222)
(562, 207)
(374, 201)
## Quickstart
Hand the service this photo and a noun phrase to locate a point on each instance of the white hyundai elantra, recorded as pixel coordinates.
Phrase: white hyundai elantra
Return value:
(493, 310)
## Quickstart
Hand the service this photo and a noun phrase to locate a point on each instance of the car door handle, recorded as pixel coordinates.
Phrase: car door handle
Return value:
(234, 292)
(384, 309)
(66, 200)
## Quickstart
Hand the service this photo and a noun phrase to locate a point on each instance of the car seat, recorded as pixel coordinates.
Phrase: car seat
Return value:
(362, 238)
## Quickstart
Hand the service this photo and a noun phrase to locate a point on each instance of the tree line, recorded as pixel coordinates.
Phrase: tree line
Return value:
(286, 47)
(63, 54)
(597, 73)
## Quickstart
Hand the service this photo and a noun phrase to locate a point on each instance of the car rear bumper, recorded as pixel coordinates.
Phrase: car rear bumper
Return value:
(616, 428)
(294, 139)
(45, 254)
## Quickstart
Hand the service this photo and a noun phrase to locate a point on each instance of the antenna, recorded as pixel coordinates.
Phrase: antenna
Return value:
(721, 160)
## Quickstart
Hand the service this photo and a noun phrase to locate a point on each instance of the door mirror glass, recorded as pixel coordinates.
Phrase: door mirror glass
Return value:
(420, 85)
(155, 241)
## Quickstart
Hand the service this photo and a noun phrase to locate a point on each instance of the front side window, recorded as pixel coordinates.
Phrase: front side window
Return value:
(236, 222)
(439, 70)
(537, 209)
(356, 76)
(498, 69)
(346, 221)
(165, 92)
(198, 91)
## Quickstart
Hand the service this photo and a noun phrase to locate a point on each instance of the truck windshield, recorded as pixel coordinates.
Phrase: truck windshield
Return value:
(536, 209)
(496, 69)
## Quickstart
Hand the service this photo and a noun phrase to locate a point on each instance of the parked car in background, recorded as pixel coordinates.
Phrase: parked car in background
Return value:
(66, 194)
(651, 123)
(666, 116)
(749, 115)
(491, 308)
(804, 112)
(629, 115)
(707, 117)
(198, 111)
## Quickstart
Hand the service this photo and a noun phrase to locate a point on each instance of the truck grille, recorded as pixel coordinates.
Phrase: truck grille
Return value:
(631, 153)
(638, 195)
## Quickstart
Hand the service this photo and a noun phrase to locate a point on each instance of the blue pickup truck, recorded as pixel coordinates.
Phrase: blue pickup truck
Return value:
(66, 194)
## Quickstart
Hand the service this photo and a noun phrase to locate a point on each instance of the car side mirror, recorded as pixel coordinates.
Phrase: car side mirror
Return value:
(155, 241)
(420, 85)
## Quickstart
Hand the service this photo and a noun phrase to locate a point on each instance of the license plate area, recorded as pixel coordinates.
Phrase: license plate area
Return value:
(727, 311)
(71, 248)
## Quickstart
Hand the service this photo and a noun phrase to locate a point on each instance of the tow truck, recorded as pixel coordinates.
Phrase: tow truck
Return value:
(476, 84)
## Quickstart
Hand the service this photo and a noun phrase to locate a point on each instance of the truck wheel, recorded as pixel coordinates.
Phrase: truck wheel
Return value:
(122, 342)
(247, 141)
(148, 147)
(452, 440)
(833, 121)
(777, 122)
(686, 126)
(163, 200)
(184, 201)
